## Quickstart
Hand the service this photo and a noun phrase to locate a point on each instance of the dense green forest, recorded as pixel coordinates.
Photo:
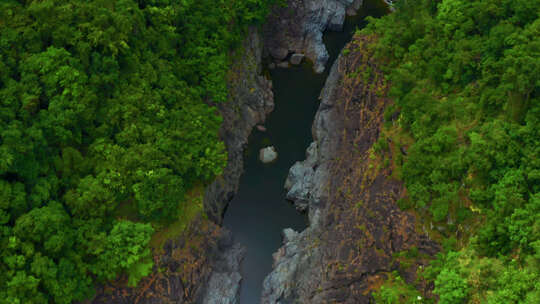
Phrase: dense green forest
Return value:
(465, 78)
(104, 106)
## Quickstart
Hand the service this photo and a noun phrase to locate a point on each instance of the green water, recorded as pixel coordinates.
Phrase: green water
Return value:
(259, 212)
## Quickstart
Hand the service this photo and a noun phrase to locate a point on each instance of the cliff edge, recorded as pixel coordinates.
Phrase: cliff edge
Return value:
(356, 228)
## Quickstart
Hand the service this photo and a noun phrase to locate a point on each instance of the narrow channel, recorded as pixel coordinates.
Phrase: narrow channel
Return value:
(259, 212)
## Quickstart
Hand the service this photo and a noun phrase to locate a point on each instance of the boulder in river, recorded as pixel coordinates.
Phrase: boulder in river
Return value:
(296, 59)
(268, 154)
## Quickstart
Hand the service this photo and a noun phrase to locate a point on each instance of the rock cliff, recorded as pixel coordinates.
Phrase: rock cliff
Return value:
(298, 28)
(356, 227)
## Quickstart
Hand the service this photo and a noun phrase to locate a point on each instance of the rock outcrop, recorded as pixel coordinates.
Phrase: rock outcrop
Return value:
(252, 100)
(298, 28)
(356, 226)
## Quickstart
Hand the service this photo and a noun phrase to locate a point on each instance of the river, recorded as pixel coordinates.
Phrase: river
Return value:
(259, 212)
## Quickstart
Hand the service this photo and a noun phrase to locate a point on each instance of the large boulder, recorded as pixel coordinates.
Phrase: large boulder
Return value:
(268, 154)
(296, 59)
(300, 181)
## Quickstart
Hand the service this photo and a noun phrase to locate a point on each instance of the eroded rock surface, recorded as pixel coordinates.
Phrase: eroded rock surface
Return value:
(252, 99)
(355, 224)
(299, 27)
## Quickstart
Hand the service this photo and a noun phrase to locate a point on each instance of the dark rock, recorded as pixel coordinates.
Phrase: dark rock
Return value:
(296, 59)
(297, 265)
(279, 53)
(251, 100)
(353, 8)
(225, 240)
(403, 150)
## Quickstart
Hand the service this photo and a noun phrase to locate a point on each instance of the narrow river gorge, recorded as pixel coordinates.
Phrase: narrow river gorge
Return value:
(259, 212)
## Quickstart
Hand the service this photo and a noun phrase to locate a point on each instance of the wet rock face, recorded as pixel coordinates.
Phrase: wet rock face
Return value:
(224, 283)
(298, 28)
(355, 224)
(251, 100)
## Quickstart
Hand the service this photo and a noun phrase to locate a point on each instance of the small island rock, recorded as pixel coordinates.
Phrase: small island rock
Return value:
(268, 154)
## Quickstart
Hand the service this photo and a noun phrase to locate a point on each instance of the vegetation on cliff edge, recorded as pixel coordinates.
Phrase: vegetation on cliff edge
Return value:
(465, 79)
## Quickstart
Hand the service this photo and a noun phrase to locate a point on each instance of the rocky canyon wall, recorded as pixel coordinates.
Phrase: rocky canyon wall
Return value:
(356, 227)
